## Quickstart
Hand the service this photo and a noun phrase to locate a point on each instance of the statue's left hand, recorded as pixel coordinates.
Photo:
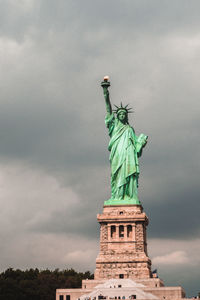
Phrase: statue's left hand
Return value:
(145, 142)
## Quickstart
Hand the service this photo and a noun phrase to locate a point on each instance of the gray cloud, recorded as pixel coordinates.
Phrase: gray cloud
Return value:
(53, 56)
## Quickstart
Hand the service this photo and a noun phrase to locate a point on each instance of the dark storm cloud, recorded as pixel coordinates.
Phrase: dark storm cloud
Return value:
(54, 55)
(48, 118)
(175, 216)
(85, 224)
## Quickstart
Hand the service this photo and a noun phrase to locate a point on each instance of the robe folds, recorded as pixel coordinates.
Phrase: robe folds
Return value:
(125, 148)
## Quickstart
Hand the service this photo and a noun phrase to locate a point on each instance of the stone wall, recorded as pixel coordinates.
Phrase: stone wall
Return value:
(123, 246)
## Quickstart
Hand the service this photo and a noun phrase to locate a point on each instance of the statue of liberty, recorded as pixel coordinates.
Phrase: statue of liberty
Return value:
(125, 148)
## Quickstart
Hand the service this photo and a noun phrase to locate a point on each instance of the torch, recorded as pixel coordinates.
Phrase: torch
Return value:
(105, 83)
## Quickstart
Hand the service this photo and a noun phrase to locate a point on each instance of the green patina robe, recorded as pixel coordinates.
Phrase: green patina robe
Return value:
(125, 148)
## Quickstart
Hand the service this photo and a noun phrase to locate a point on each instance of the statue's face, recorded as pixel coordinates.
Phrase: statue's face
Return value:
(122, 116)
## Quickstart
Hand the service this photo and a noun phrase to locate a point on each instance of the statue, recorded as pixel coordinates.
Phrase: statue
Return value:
(125, 148)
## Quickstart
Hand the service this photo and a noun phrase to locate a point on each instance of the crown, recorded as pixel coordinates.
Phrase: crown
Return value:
(124, 108)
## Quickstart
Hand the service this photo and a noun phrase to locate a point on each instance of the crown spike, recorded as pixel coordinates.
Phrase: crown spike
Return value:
(121, 107)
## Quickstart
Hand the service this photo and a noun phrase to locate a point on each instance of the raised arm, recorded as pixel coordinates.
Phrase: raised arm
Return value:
(105, 84)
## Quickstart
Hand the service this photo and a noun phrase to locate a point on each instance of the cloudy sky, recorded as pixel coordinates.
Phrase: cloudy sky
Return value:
(54, 168)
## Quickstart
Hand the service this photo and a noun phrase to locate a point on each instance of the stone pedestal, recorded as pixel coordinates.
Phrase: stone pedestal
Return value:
(123, 254)
(123, 246)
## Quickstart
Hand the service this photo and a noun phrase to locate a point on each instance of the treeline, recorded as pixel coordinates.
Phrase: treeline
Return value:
(37, 284)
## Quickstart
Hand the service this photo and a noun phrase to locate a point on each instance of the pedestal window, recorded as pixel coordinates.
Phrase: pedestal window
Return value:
(121, 231)
(129, 231)
(113, 232)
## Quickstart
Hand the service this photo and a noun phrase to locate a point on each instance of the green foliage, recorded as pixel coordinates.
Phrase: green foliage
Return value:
(38, 285)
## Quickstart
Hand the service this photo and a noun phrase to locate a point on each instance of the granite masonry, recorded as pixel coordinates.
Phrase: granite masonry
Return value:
(123, 268)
